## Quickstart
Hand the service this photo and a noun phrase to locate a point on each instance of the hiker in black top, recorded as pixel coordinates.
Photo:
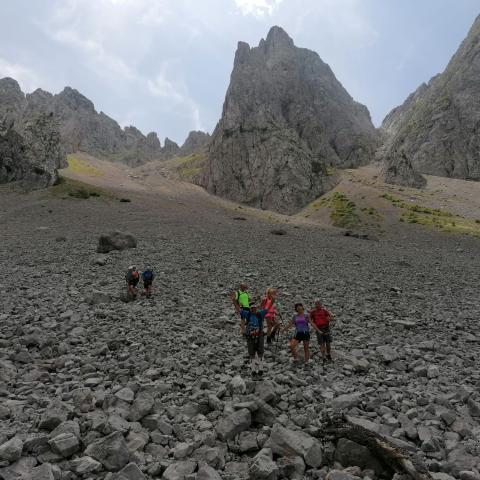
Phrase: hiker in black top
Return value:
(132, 278)
(251, 326)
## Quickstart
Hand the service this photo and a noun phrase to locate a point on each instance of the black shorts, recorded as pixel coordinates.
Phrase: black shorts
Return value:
(324, 336)
(255, 345)
(147, 284)
(302, 337)
(132, 283)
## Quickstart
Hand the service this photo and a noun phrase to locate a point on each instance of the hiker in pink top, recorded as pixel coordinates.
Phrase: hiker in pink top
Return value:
(268, 303)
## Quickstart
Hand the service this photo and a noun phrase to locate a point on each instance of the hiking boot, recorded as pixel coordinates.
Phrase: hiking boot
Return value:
(269, 340)
(329, 358)
(260, 374)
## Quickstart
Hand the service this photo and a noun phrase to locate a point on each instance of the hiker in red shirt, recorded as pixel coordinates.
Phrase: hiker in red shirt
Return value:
(321, 318)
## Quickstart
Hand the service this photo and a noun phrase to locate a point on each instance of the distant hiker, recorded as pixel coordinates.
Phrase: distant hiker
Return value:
(321, 318)
(132, 278)
(251, 326)
(268, 303)
(147, 278)
(241, 298)
(301, 321)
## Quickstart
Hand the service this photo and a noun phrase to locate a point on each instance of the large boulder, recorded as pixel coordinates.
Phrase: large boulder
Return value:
(111, 451)
(263, 466)
(116, 241)
(235, 423)
(291, 443)
(351, 454)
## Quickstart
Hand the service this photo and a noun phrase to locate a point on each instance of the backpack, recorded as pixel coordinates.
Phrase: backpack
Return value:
(131, 275)
(147, 275)
(254, 324)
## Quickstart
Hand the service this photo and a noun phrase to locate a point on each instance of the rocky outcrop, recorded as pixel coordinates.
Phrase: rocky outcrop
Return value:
(286, 122)
(170, 149)
(399, 171)
(30, 146)
(195, 142)
(438, 126)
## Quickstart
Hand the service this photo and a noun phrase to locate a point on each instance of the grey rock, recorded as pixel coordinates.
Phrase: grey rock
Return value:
(11, 450)
(116, 241)
(110, 451)
(387, 353)
(263, 466)
(179, 470)
(473, 407)
(141, 406)
(286, 121)
(206, 472)
(43, 472)
(399, 171)
(235, 423)
(65, 444)
(130, 472)
(339, 475)
(346, 401)
(85, 465)
(292, 468)
(287, 442)
(349, 453)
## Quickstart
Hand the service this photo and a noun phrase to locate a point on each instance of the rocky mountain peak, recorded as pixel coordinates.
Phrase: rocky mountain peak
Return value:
(75, 100)
(278, 39)
(286, 121)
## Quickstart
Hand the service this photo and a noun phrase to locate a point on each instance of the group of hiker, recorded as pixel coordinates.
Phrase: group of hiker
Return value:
(253, 317)
(132, 277)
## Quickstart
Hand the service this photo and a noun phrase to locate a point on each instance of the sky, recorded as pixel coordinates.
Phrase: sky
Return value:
(165, 65)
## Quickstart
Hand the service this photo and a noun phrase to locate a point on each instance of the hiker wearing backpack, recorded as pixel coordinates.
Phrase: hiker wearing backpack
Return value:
(321, 318)
(241, 298)
(132, 278)
(268, 303)
(147, 278)
(251, 326)
(302, 322)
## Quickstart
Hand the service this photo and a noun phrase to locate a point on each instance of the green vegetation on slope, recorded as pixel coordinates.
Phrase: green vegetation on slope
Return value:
(189, 168)
(434, 217)
(81, 167)
(343, 212)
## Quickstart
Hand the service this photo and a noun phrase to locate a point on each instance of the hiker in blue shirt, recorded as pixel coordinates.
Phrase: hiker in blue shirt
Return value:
(251, 326)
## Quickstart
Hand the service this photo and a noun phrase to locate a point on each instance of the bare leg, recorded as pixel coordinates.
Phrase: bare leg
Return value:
(293, 348)
(306, 351)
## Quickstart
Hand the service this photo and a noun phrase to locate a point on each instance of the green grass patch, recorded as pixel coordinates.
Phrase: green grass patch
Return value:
(68, 188)
(343, 212)
(434, 217)
(189, 168)
(81, 167)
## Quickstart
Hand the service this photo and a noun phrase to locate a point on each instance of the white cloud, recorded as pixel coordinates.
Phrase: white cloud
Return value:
(27, 78)
(175, 91)
(258, 8)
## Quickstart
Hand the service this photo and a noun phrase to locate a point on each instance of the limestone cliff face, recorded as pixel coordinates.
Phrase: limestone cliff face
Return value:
(82, 128)
(438, 127)
(286, 122)
(30, 145)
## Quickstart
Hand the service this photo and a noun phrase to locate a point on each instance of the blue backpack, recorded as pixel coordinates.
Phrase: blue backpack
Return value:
(147, 275)
(254, 324)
